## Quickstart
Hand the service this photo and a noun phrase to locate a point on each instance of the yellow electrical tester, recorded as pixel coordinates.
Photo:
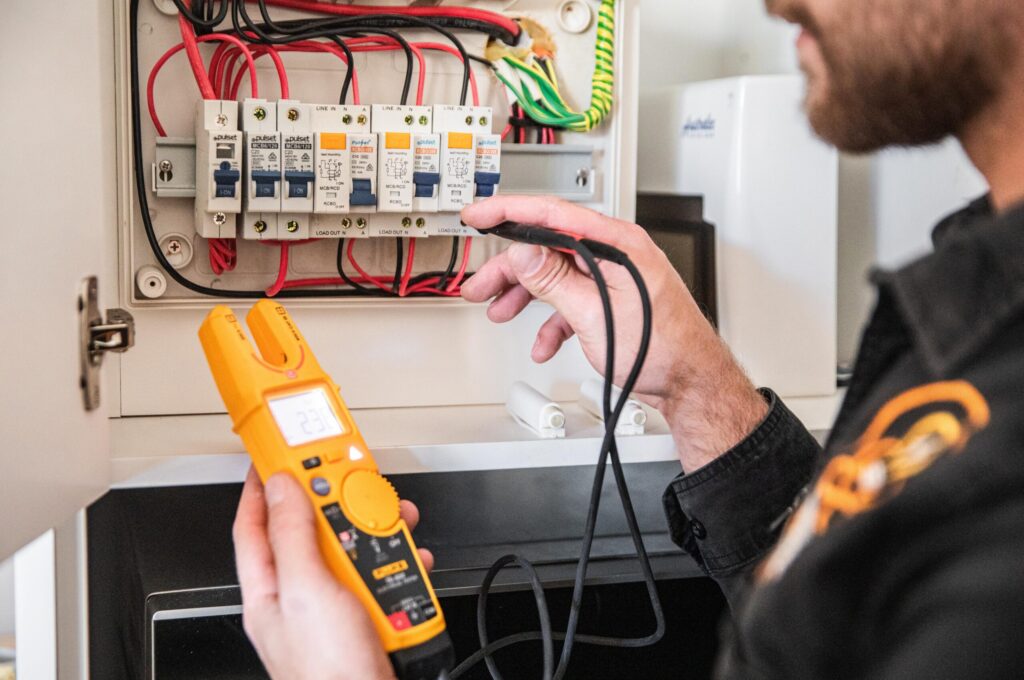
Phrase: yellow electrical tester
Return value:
(291, 419)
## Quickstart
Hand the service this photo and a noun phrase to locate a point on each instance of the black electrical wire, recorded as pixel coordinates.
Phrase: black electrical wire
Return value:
(399, 21)
(201, 24)
(587, 250)
(306, 29)
(348, 26)
(447, 274)
(542, 611)
(395, 283)
(341, 269)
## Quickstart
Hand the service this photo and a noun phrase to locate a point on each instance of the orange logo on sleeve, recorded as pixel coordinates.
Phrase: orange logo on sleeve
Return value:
(909, 433)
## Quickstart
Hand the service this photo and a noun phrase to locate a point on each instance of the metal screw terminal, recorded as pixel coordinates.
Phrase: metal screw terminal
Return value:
(346, 119)
(259, 113)
(220, 219)
(346, 223)
(165, 167)
(221, 119)
(483, 120)
(292, 226)
(469, 120)
(420, 222)
(173, 246)
(361, 119)
(406, 222)
(361, 222)
(293, 114)
(260, 226)
(424, 120)
(408, 120)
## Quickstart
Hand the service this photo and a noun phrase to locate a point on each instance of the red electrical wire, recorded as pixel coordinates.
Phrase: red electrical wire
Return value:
(352, 10)
(426, 287)
(454, 283)
(278, 64)
(362, 272)
(282, 272)
(282, 75)
(195, 60)
(177, 48)
(403, 286)
(223, 255)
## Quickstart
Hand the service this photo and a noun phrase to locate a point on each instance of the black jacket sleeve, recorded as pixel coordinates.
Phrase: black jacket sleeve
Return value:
(728, 514)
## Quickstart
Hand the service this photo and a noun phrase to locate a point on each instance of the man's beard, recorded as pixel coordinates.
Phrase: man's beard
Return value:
(906, 72)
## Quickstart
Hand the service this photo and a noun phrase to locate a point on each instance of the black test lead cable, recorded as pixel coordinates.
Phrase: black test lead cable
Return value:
(588, 251)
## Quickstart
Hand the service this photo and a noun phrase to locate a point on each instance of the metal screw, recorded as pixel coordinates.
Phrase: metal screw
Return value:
(420, 222)
(222, 119)
(220, 219)
(424, 120)
(361, 222)
(361, 119)
(483, 120)
(346, 119)
(173, 246)
(408, 120)
(292, 227)
(259, 113)
(165, 167)
(407, 222)
(293, 114)
(469, 120)
(346, 223)
(260, 226)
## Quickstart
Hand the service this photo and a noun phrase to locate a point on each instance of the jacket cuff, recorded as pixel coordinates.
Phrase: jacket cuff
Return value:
(728, 514)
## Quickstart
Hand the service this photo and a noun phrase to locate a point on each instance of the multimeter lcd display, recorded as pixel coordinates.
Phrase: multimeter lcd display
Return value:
(305, 417)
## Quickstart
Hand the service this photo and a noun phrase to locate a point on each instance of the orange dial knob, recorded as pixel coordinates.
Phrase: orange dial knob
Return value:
(371, 501)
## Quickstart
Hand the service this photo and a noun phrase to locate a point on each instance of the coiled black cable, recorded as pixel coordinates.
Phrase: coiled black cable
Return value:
(588, 251)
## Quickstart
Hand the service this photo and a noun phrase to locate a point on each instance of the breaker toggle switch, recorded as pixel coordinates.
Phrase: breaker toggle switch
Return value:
(425, 183)
(299, 183)
(362, 193)
(265, 181)
(485, 183)
(225, 178)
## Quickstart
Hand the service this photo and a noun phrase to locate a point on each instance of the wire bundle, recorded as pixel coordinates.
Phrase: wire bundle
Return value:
(538, 91)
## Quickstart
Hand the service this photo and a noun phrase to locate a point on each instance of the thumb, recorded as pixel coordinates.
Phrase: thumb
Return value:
(548, 275)
(291, 528)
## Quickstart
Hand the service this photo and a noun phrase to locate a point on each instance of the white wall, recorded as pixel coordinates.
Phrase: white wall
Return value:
(6, 597)
(888, 203)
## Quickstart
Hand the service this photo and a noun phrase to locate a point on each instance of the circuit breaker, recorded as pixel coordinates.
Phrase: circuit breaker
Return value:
(262, 170)
(218, 168)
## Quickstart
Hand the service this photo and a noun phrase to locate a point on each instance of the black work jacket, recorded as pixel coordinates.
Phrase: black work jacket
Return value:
(898, 550)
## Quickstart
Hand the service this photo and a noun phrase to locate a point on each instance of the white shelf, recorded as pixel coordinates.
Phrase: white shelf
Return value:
(201, 449)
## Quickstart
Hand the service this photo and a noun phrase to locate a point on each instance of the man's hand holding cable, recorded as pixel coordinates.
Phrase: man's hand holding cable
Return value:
(690, 375)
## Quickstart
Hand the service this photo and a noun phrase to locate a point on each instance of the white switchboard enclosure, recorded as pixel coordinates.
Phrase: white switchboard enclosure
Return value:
(387, 353)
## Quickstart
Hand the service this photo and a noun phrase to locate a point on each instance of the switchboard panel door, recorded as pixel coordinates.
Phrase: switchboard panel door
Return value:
(57, 210)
